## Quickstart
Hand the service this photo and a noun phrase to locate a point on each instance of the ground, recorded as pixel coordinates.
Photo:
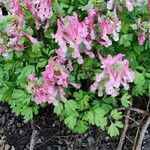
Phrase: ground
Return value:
(15, 133)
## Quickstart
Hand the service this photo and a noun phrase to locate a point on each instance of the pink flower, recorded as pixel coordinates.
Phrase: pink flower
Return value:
(148, 4)
(32, 77)
(41, 11)
(129, 5)
(139, 2)
(55, 72)
(54, 81)
(13, 29)
(89, 21)
(109, 27)
(33, 40)
(76, 34)
(1, 13)
(115, 73)
(110, 4)
(15, 9)
(141, 39)
(3, 51)
(77, 86)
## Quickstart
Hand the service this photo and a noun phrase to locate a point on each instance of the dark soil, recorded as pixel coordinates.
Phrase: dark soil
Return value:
(15, 134)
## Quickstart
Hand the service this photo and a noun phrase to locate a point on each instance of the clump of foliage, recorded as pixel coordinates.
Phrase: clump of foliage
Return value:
(85, 57)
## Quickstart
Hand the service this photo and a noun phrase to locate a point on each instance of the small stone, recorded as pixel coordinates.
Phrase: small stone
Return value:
(60, 142)
(28, 146)
(39, 141)
(7, 147)
(3, 137)
(18, 125)
(1, 142)
(20, 132)
(49, 148)
(2, 131)
(90, 139)
(107, 138)
(108, 143)
(12, 148)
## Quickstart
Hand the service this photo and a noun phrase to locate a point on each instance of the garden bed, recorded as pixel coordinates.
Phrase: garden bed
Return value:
(15, 133)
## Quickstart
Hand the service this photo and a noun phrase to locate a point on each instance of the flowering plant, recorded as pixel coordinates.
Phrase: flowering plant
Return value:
(84, 57)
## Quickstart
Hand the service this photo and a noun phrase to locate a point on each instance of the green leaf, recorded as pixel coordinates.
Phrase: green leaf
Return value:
(90, 117)
(115, 114)
(119, 124)
(70, 10)
(78, 95)
(100, 120)
(29, 69)
(106, 107)
(126, 40)
(71, 121)
(125, 100)
(110, 100)
(58, 109)
(113, 130)
(83, 103)
(21, 96)
(81, 127)
(139, 49)
(70, 106)
(139, 87)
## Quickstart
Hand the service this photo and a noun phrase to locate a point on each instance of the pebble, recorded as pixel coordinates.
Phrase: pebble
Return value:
(7, 147)
(49, 148)
(18, 125)
(2, 130)
(90, 139)
(20, 132)
(1, 142)
(107, 138)
(39, 141)
(12, 148)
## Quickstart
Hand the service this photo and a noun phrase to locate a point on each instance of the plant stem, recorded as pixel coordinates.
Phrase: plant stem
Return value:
(122, 138)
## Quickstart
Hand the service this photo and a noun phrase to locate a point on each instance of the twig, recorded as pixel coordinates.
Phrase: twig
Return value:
(138, 130)
(33, 136)
(129, 139)
(142, 133)
(133, 120)
(122, 138)
(140, 111)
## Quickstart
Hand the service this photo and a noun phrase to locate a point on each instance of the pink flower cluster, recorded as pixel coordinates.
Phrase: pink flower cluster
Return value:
(141, 39)
(14, 29)
(41, 10)
(54, 80)
(115, 73)
(109, 27)
(77, 34)
(128, 3)
(80, 35)
(142, 31)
